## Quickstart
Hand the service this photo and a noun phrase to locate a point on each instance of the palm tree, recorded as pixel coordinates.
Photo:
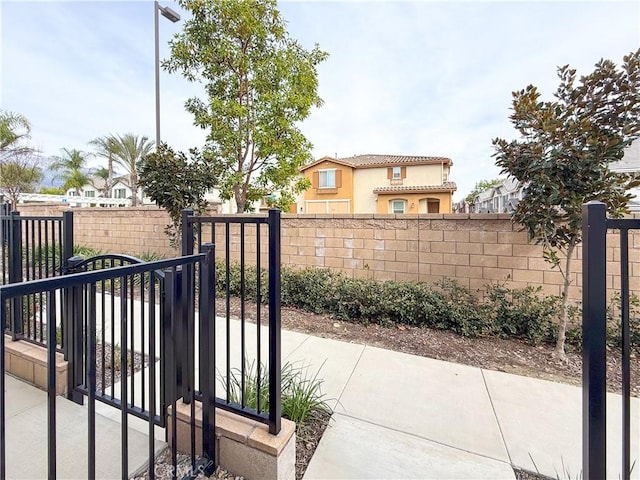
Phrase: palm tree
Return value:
(103, 174)
(14, 128)
(129, 150)
(71, 164)
(107, 148)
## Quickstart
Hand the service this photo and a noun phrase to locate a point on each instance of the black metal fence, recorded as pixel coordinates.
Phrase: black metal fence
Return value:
(32, 248)
(162, 338)
(595, 225)
(249, 371)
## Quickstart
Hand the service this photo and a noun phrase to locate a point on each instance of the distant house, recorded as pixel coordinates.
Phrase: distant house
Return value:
(630, 163)
(378, 184)
(502, 198)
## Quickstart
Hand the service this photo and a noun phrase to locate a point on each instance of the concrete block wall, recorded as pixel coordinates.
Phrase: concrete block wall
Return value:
(116, 230)
(474, 249)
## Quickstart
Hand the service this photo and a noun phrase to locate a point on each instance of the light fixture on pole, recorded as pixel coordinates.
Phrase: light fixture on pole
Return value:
(174, 17)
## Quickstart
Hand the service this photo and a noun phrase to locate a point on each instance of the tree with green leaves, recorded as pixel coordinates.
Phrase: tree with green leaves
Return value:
(175, 183)
(563, 157)
(14, 130)
(260, 84)
(19, 174)
(105, 175)
(128, 150)
(72, 167)
(482, 186)
(106, 148)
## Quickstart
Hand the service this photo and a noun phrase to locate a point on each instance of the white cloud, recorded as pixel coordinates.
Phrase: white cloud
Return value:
(422, 78)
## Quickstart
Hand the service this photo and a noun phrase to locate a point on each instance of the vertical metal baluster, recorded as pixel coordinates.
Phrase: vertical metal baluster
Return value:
(132, 323)
(91, 354)
(123, 368)
(626, 350)
(258, 313)
(112, 293)
(3, 322)
(40, 295)
(142, 322)
(227, 260)
(243, 353)
(152, 373)
(51, 386)
(103, 339)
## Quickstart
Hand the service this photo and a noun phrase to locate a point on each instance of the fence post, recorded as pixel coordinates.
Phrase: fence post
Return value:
(275, 350)
(15, 271)
(594, 407)
(67, 238)
(187, 232)
(72, 332)
(207, 355)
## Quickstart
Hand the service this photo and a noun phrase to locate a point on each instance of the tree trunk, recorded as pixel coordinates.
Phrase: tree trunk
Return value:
(133, 180)
(110, 177)
(240, 198)
(564, 307)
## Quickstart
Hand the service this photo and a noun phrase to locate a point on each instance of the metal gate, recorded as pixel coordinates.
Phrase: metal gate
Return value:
(131, 398)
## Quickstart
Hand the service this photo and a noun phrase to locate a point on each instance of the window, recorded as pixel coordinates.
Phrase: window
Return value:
(327, 179)
(397, 206)
(90, 193)
(120, 193)
(396, 173)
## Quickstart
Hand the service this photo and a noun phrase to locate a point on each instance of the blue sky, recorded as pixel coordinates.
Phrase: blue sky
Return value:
(412, 78)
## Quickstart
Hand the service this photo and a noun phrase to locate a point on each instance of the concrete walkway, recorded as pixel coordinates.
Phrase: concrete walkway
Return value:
(396, 416)
(404, 416)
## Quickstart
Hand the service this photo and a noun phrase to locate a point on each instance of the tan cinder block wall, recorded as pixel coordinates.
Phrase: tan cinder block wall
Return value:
(474, 249)
(115, 230)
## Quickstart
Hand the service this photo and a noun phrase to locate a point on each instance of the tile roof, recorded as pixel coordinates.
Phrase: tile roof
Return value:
(447, 186)
(365, 161)
(374, 160)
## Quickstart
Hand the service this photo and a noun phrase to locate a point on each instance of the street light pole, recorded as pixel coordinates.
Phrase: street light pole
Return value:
(173, 17)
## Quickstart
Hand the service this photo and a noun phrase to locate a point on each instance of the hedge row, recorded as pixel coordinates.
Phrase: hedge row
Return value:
(503, 312)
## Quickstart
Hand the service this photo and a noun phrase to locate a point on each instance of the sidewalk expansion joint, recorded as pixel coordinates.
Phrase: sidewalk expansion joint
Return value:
(495, 414)
(350, 375)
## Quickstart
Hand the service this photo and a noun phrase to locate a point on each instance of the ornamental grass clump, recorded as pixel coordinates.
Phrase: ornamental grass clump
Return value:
(302, 396)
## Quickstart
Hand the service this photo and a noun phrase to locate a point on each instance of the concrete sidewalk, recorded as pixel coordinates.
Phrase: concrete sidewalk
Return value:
(396, 416)
(404, 416)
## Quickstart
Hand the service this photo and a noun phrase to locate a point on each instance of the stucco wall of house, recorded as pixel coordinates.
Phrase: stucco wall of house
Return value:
(474, 249)
(344, 192)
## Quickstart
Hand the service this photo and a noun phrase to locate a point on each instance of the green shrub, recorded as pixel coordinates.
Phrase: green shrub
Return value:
(311, 289)
(614, 321)
(521, 312)
(463, 312)
(357, 299)
(447, 305)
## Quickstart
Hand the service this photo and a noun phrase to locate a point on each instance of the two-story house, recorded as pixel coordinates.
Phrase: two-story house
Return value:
(378, 184)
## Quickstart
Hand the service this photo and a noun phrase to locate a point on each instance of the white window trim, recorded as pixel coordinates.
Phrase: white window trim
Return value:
(393, 173)
(325, 170)
(391, 205)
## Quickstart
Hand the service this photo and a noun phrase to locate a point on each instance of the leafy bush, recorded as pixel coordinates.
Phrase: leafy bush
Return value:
(522, 313)
(614, 321)
(447, 305)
